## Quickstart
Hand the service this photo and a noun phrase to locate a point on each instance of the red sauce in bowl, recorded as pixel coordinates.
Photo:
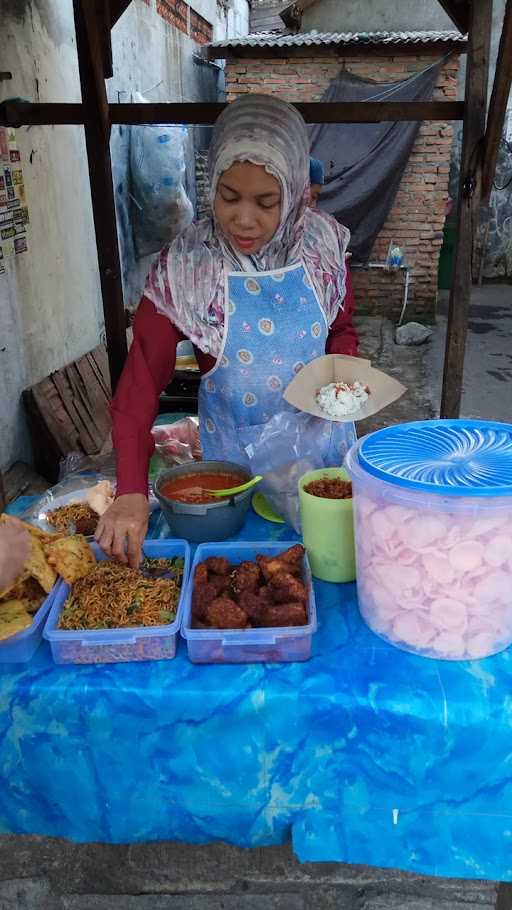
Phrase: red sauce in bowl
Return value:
(192, 488)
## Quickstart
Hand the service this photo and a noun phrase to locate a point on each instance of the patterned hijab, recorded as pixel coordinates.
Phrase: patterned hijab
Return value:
(187, 281)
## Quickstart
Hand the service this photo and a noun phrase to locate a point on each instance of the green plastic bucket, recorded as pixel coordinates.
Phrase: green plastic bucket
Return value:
(328, 530)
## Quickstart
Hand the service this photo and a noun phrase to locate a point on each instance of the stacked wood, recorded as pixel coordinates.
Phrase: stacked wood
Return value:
(69, 411)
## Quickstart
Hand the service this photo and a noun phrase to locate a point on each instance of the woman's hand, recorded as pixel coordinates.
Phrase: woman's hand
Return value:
(122, 528)
(15, 546)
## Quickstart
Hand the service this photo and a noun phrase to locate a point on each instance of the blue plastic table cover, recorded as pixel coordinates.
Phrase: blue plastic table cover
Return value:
(364, 754)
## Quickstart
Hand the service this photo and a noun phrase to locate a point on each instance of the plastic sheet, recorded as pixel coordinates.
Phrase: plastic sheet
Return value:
(161, 205)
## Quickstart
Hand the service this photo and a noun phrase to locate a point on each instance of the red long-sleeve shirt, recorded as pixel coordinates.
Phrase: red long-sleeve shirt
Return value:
(150, 367)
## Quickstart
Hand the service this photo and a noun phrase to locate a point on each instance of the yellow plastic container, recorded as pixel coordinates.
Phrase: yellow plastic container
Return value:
(328, 530)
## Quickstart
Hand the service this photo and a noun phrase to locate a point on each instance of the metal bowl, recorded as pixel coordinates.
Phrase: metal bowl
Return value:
(206, 521)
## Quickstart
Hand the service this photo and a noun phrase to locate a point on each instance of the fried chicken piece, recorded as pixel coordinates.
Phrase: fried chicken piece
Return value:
(224, 613)
(253, 605)
(221, 583)
(289, 561)
(202, 597)
(203, 592)
(285, 588)
(219, 565)
(246, 577)
(287, 614)
(201, 574)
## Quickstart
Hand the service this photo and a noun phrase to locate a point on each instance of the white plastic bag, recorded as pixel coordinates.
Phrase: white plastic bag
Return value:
(158, 169)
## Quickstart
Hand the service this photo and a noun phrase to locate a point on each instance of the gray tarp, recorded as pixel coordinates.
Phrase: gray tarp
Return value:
(364, 162)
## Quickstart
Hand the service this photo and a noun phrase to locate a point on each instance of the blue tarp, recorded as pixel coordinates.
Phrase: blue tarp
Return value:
(363, 754)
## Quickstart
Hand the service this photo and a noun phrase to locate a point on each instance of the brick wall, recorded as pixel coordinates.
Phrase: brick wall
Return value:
(416, 220)
(179, 14)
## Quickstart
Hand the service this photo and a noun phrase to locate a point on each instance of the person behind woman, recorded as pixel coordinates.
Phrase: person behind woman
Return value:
(258, 288)
(316, 180)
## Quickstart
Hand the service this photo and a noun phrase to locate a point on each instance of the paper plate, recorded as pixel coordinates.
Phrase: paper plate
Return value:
(263, 508)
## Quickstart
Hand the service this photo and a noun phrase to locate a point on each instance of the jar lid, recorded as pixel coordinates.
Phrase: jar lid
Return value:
(447, 457)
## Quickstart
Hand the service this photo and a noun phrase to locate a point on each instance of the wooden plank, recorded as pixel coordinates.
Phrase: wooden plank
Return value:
(86, 406)
(102, 194)
(313, 112)
(18, 114)
(477, 72)
(97, 403)
(458, 11)
(94, 28)
(75, 412)
(103, 15)
(498, 104)
(117, 8)
(99, 364)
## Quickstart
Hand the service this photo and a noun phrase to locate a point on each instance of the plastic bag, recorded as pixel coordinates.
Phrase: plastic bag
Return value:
(97, 467)
(178, 443)
(158, 169)
(288, 446)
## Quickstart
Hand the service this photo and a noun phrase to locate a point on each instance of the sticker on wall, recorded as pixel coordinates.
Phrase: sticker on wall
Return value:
(13, 209)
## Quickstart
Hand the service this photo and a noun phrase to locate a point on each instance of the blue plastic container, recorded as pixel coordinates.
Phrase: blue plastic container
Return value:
(110, 646)
(218, 646)
(21, 647)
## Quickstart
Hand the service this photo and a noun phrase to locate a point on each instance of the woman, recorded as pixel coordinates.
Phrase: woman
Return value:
(258, 289)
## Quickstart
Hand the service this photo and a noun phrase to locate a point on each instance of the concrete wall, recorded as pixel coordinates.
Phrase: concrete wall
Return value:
(50, 310)
(50, 304)
(375, 16)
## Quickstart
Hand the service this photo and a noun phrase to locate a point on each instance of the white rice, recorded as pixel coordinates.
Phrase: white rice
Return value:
(339, 399)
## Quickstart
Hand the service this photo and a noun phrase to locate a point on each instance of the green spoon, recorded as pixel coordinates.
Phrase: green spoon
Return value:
(241, 489)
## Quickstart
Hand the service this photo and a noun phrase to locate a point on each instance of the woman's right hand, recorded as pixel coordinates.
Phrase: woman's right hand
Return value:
(122, 528)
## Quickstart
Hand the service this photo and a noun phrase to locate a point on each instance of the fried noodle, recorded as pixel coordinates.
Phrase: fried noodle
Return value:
(114, 596)
(76, 515)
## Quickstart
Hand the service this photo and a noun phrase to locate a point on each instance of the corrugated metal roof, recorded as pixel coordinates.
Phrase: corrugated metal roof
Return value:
(314, 38)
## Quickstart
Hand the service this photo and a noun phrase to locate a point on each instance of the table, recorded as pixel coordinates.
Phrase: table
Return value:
(362, 755)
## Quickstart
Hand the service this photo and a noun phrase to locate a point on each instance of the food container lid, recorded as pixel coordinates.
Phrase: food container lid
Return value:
(447, 457)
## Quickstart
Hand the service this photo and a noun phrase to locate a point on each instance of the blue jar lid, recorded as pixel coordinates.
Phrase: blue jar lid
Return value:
(447, 457)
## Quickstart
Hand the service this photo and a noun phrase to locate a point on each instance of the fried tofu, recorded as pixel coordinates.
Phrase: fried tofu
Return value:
(39, 567)
(28, 590)
(71, 557)
(14, 617)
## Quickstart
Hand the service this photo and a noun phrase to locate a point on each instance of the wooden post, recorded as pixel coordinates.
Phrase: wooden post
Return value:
(91, 56)
(498, 104)
(477, 73)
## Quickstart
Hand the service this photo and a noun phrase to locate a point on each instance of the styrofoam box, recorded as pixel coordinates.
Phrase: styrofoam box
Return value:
(118, 645)
(279, 645)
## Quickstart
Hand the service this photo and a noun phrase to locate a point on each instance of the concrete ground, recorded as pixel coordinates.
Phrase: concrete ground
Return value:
(488, 366)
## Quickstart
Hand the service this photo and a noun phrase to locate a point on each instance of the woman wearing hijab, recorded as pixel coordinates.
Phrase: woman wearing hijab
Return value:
(258, 288)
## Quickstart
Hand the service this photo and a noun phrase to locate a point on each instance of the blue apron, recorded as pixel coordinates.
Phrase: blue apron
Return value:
(273, 326)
